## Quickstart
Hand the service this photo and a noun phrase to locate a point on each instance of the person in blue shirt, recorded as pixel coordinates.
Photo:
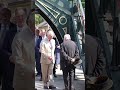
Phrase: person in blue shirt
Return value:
(38, 40)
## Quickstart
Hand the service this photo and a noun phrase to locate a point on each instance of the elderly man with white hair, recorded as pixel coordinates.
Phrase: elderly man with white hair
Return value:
(47, 48)
(67, 37)
(69, 54)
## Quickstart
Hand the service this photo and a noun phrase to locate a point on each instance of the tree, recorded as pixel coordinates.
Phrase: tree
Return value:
(83, 3)
(38, 19)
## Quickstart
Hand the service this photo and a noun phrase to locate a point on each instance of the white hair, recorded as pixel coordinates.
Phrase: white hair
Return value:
(67, 37)
(51, 33)
(43, 30)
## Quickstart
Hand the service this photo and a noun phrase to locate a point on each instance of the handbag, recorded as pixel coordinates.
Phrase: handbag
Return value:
(77, 60)
(98, 83)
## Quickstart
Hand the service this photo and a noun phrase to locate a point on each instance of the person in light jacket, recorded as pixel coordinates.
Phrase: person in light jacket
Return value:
(23, 54)
(47, 48)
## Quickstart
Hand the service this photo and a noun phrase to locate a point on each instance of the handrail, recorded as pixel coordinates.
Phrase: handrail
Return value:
(81, 16)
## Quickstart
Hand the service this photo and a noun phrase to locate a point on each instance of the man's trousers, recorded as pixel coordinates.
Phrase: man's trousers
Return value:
(38, 66)
(47, 73)
(68, 78)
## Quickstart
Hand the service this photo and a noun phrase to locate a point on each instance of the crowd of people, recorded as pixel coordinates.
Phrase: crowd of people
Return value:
(21, 45)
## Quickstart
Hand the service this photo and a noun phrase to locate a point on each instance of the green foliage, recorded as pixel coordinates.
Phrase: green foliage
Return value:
(38, 19)
(83, 4)
(83, 0)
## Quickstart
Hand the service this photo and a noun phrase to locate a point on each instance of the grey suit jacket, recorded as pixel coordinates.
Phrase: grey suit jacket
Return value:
(69, 50)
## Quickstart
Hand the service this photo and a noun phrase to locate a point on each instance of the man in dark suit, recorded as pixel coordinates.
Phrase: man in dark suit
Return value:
(95, 64)
(7, 33)
(69, 53)
(38, 40)
(94, 58)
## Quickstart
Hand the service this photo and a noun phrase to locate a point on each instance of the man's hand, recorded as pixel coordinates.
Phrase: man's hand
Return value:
(50, 58)
(11, 58)
(56, 66)
(58, 46)
(72, 60)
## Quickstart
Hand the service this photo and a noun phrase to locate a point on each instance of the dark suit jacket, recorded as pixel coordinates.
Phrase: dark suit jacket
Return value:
(94, 58)
(6, 51)
(37, 47)
(69, 50)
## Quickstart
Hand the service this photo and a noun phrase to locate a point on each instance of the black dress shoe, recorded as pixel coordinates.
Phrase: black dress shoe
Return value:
(52, 87)
(75, 79)
(55, 75)
(45, 87)
(40, 79)
(37, 74)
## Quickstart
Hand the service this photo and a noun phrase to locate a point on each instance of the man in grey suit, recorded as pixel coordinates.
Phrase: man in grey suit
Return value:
(69, 53)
